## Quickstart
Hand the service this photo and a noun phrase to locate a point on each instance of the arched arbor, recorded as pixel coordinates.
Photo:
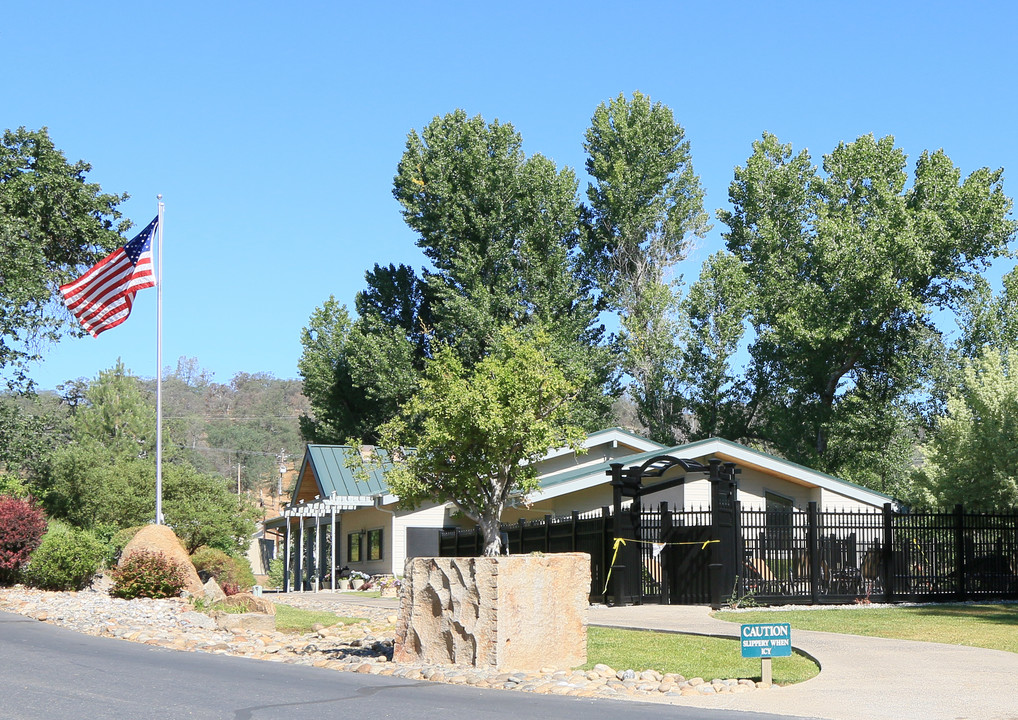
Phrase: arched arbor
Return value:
(628, 483)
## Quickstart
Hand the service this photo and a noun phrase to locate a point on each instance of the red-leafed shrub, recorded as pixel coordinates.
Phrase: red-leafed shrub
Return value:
(230, 588)
(22, 526)
(146, 573)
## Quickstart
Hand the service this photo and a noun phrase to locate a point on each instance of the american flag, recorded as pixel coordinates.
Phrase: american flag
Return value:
(102, 297)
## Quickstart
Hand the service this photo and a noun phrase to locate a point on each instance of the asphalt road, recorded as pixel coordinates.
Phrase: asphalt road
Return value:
(48, 672)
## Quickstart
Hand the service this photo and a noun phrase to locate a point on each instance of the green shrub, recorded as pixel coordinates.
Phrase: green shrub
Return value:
(147, 574)
(276, 572)
(230, 572)
(67, 559)
(118, 542)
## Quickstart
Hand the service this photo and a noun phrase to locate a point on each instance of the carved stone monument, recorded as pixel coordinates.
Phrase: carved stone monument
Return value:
(519, 612)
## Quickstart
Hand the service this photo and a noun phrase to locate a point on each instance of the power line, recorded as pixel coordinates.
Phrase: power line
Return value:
(229, 450)
(231, 417)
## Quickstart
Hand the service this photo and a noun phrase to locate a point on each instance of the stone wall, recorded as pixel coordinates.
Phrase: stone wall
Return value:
(512, 612)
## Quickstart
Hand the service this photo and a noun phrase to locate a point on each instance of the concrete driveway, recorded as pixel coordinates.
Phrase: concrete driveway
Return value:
(860, 677)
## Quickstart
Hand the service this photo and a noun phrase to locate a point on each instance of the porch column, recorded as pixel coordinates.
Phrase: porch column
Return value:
(318, 552)
(300, 558)
(286, 557)
(332, 547)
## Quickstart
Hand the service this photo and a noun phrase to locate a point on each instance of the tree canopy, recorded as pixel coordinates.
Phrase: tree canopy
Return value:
(971, 457)
(646, 205)
(844, 270)
(53, 222)
(471, 434)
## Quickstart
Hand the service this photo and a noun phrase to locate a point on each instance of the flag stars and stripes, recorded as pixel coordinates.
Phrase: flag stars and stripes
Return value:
(102, 298)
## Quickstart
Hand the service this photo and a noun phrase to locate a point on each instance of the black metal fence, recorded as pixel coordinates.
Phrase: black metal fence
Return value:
(787, 555)
(588, 532)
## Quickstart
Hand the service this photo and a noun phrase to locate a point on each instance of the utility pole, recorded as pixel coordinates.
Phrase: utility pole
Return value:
(282, 470)
(238, 478)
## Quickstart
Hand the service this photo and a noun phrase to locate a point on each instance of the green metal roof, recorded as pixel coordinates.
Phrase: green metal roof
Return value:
(329, 465)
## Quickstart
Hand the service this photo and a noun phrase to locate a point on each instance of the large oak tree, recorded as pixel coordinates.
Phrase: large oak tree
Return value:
(845, 266)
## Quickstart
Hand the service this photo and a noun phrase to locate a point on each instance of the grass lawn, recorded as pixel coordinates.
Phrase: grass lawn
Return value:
(690, 655)
(992, 626)
(291, 619)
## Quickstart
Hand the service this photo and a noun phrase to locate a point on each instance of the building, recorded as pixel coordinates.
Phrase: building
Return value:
(375, 536)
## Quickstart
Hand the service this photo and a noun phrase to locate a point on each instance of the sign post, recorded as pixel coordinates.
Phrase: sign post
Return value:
(766, 641)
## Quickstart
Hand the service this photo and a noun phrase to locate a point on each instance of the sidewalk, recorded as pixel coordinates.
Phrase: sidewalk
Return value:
(860, 677)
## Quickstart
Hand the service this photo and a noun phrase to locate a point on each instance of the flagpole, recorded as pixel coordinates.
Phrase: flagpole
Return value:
(159, 367)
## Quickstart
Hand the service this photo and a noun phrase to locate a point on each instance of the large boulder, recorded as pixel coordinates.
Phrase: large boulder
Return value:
(246, 622)
(521, 612)
(160, 538)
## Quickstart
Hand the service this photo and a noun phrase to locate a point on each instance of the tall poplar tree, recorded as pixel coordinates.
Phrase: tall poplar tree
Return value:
(646, 205)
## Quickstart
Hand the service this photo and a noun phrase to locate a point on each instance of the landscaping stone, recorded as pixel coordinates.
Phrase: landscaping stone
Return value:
(212, 592)
(365, 647)
(495, 612)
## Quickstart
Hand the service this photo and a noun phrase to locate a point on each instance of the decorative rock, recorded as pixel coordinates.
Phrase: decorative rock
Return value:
(495, 612)
(212, 592)
(160, 538)
(252, 604)
(258, 622)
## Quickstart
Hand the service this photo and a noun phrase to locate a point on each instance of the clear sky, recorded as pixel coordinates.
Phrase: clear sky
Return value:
(273, 132)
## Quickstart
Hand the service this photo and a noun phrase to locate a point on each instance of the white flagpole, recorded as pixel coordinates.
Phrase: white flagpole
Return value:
(159, 367)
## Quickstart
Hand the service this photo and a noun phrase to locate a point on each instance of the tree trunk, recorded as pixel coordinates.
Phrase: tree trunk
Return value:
(492, 530)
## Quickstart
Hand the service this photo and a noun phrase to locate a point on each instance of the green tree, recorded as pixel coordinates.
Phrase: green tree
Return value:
(202, 511)
(104, 478)
(989, 320)
(844, 270)
(716, 306)
(972, 455)
(646, 203)
(52, 224)
(353, 377)
(502, 233)
(471, 435)
(118, 414)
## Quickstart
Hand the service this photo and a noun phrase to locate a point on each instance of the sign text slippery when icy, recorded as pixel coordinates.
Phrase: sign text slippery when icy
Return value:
(766, 640)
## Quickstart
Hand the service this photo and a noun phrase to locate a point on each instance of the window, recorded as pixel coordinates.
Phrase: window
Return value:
(375, 544)
(353, 547)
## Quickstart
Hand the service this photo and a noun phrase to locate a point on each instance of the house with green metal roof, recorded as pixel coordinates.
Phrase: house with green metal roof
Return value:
(372, 533)
(335, 520)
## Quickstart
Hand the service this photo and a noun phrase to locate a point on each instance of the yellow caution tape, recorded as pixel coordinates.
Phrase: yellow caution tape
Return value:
(622, 541)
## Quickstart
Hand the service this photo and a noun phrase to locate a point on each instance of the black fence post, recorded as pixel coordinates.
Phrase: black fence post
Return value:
(888, 554)
(813, 543)
(740, 548)
(576, 519)
(547, 533)
(666, 529)
(959, 550)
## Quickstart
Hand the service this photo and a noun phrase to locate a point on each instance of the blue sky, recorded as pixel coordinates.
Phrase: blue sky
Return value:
(273, 133)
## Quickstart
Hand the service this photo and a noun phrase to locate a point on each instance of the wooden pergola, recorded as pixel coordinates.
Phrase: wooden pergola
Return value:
(317, 509)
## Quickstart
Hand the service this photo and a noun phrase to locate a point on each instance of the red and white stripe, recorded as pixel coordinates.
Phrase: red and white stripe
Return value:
(102, 298)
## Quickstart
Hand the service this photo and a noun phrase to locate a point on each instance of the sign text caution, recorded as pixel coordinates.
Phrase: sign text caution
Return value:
(766, 640)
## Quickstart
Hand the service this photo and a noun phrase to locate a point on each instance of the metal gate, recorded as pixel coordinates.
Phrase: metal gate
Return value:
(674, 560)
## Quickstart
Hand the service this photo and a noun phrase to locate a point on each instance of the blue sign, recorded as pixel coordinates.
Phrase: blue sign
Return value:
(766, 640)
